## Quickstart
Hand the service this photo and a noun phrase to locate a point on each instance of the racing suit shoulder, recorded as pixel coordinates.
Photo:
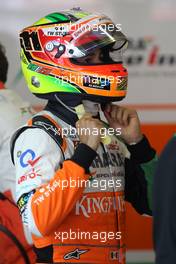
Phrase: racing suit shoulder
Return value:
(46, 122)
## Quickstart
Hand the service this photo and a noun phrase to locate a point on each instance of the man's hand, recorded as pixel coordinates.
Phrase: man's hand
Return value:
(127, 120)
(89, 131)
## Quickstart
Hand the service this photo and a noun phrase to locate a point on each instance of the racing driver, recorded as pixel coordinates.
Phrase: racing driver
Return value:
(71, 187)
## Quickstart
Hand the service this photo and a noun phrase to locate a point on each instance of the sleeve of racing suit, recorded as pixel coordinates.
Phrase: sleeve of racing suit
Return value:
(140, 170)
(44, 192)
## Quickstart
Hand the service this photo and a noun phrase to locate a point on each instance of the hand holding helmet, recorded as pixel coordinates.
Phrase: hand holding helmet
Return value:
(89, 131)
(126, 119)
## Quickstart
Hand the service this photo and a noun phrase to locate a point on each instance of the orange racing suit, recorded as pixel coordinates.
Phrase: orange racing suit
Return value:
(72, 198)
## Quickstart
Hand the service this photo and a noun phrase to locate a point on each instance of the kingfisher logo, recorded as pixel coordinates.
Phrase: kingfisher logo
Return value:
(146, 51)
(88, 206)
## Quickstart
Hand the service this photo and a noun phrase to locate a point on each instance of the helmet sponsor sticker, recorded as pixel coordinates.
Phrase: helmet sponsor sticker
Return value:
(59, 31)
(96, 82)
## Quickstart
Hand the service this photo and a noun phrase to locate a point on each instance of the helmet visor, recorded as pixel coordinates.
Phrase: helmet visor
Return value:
(87, 40)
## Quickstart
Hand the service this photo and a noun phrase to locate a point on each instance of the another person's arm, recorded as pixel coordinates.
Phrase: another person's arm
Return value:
(139, 178)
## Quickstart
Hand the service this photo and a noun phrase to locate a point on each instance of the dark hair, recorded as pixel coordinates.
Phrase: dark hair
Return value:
(3, 65)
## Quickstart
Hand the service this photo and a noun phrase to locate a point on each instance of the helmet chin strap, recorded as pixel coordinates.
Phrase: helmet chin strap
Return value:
(90, 107)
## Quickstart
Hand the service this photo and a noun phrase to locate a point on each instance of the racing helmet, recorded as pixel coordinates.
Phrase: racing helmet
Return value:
(52, 49)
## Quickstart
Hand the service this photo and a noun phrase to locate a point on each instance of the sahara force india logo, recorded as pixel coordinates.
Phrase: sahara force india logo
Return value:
(147, 51)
